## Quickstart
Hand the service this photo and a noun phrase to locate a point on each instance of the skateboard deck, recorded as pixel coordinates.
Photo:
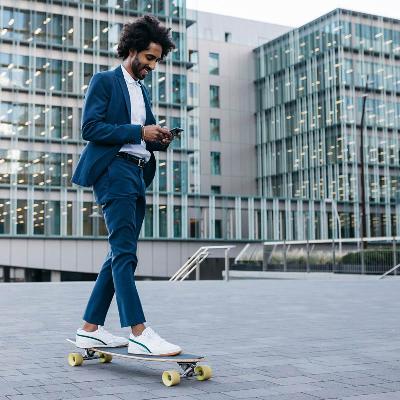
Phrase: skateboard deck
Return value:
(187, 362)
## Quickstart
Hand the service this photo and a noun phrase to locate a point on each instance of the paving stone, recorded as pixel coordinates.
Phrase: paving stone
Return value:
(121, 389)
(30, 389)
(376, 396)
(136, 396)
(7, 390)
(264, 339)
(395, 386)
(105, 397)
(178, 390)
(22, 397)
(361, 381)
(214, 396)
(56, 396)
(291, 396)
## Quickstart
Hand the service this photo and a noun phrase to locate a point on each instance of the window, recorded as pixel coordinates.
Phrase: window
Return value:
(148, 221)
(162, 215)
(194, 228)
(162, 175)
(175, 122)
(49, 28)
(180, 176)
(193, 126)
(178, 89)
(228, 37)
(214, 96)
(215, 129)
(215, 189)
(193, 94)
(5, 218)
(213, 63)
(177, 221)
(161, 87)
(21, 220)
(215, 163)
(218, 229)
(69, 210)
(177, 54)
(194, 59)
(87, 220)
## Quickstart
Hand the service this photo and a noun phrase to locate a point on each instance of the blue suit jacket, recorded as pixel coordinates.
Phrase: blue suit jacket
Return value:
(106, 125)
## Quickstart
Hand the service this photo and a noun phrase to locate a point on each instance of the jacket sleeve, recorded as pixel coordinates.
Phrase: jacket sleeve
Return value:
(94, 129)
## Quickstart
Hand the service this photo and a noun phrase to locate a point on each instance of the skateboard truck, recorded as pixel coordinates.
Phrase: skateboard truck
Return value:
(188, 369)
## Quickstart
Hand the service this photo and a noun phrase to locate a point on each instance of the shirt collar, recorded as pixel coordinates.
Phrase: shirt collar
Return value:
(128, 77)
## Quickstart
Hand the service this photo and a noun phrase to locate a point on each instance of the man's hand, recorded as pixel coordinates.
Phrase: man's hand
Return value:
(154, 133)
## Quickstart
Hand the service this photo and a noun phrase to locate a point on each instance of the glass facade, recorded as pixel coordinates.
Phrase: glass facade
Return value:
(310, 86)
(46, 61)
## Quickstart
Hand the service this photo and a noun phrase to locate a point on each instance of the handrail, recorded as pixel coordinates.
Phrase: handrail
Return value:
(199, 260)
(189, 266)
(390, 270)
(184, 266)
(196, 259)
(241, 252)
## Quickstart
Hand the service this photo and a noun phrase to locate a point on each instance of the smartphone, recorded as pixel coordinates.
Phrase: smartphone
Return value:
(176, 132)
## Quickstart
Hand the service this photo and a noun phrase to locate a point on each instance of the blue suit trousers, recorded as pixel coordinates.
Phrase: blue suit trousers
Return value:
(120, 191)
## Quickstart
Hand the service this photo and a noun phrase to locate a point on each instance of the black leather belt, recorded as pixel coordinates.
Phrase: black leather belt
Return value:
(140, 162)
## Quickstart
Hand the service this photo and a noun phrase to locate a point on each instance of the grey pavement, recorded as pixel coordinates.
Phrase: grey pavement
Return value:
(265, 339)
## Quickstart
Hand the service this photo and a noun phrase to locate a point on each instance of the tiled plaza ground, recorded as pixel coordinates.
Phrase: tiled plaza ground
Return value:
(265, 339)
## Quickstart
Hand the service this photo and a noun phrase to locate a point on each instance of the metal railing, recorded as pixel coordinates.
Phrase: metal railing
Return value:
(376, 255)
(394, 269)
(242, 252)
(193, 263)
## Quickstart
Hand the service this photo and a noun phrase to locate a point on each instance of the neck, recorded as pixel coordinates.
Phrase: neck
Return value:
(128, 69)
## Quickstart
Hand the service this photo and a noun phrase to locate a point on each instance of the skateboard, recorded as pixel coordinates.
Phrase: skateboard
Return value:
(187, 362)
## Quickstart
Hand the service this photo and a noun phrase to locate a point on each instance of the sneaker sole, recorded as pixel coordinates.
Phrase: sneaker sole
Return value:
(175, 353)
(99, 346)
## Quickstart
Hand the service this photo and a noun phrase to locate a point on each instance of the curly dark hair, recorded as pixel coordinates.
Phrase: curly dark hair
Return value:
(139, 34)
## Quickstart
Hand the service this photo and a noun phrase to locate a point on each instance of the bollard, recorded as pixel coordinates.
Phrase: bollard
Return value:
(284, 257)
(197, 271)
(226, 265)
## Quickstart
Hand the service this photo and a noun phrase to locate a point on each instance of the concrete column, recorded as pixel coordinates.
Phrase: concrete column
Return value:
(55, 276)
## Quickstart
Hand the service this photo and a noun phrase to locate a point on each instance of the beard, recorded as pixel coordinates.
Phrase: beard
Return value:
(138, 69)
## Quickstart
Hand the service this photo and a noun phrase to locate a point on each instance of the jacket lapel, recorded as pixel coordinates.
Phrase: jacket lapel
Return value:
(122, 83)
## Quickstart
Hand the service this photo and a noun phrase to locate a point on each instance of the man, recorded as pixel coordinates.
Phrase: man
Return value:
(118, 162)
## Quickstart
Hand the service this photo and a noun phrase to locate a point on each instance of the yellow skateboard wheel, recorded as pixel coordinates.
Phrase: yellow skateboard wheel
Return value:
(171, 378)
(203, 372)
(75, 359)
(105, 358)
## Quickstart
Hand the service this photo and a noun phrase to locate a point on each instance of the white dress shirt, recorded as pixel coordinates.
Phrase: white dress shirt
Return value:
(138, 115)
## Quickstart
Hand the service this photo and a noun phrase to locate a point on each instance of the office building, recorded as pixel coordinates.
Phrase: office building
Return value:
(310, 88)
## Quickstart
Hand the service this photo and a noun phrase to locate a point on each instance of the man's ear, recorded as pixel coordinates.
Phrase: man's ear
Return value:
(132, 53)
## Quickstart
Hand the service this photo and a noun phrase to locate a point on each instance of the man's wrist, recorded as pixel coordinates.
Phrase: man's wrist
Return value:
(143, 132)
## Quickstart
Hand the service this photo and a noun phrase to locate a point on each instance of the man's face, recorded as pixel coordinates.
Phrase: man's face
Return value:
(145, 61)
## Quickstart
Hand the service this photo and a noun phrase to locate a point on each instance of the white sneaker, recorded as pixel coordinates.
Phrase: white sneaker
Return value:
(98, 338)
(151, 343)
